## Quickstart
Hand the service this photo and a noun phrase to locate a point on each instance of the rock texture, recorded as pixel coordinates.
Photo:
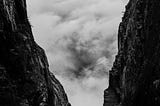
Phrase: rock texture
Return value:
(135, 76)
(25, 79)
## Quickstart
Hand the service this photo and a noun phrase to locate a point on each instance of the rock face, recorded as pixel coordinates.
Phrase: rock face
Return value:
(135, 76)
(25, 79)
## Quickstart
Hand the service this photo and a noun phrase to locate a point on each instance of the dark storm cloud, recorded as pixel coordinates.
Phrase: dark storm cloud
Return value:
(85, 53)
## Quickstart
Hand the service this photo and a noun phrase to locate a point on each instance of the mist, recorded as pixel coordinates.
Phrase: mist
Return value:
(80, 40)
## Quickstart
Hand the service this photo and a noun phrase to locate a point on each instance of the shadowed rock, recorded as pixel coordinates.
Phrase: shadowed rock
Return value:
(135, 75)
(25, 79)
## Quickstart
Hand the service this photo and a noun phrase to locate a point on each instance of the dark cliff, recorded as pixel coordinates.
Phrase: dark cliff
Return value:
(25, 79)
(135, 75)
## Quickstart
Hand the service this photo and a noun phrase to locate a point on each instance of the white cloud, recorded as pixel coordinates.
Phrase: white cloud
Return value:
(75, 34)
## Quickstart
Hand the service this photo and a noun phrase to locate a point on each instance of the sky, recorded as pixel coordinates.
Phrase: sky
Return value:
(80, 40)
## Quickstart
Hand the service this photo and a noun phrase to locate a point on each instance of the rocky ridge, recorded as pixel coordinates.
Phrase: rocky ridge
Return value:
(135, 75)
(25, 79)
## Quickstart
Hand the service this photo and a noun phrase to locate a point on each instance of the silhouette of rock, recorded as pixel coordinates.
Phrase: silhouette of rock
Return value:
(25, 79)
(135, 75)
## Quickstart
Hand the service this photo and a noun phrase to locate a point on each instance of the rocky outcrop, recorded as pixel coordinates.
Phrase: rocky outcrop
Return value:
(25, 79)
(135, 76)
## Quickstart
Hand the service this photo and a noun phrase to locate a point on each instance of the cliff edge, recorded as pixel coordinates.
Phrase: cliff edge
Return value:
(25, 79)
(135, 75)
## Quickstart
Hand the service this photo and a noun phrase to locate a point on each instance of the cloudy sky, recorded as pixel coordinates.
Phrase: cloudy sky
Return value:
(80, 40)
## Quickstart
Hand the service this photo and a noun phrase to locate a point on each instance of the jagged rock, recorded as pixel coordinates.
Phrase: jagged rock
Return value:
(135, 76)
(25, 79)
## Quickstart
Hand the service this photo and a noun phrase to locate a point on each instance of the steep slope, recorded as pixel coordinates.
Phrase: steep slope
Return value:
(135, 76)
(25, 79)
